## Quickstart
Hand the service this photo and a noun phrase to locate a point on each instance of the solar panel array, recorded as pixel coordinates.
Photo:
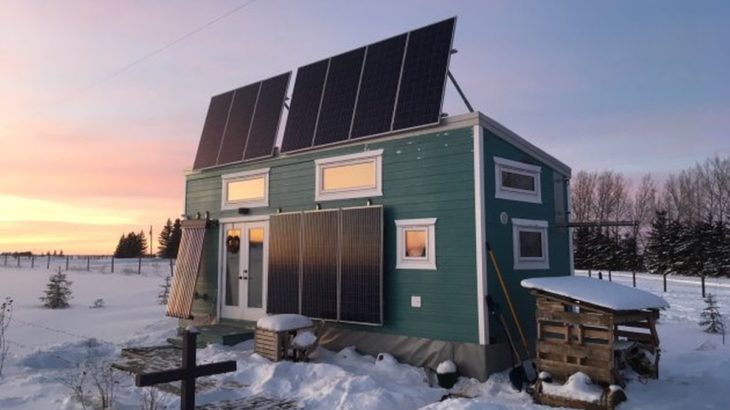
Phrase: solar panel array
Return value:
(242, 124)
(327, 264)
(391, 85)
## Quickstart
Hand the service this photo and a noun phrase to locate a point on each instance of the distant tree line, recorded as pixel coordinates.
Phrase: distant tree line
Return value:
(134, 245)
(682, 226)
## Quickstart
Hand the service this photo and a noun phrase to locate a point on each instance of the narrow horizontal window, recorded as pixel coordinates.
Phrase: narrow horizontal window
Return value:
(349, 176)
(416, 243)
(245, 189)
(517, 181)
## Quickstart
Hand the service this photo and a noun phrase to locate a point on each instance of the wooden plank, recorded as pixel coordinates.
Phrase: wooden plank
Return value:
(636, 336)
(564, 370)
(590, 319)
(597, 352)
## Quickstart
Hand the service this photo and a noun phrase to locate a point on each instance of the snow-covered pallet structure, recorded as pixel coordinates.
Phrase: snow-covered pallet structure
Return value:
(596, 328)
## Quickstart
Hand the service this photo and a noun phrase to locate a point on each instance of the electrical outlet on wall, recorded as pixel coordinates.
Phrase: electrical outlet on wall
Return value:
(416, 301)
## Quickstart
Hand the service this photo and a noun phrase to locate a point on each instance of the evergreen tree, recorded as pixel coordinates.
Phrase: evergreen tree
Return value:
(132, 245)
(141, 244)
(175, 238)
(163, 250)
(657, 244)
(58, 291)
(712, 320)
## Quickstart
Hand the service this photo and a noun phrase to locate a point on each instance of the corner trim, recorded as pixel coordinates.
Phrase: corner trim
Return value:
(480, 239)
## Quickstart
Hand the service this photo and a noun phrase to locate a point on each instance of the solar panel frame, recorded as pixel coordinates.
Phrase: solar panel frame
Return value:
(213, 130)
(364, 101)
(277, 101)
(228, 146)
(304, 147)
(361, 265)
(444, 76)
(300, 97)
(339, 97)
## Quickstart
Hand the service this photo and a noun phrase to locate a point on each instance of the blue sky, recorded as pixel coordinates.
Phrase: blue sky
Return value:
(633, 86)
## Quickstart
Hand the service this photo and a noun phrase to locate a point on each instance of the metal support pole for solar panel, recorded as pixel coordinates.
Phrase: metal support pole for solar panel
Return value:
(461, 93)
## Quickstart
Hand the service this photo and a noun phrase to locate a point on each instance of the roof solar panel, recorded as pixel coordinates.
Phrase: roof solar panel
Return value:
(306, 98)
(376, 99)
(423, 79)
(239, 122)
(215, 123)
(338, 101)
(266, 117)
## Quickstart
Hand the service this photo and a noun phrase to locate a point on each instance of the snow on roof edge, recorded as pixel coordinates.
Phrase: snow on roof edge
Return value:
(601, 293)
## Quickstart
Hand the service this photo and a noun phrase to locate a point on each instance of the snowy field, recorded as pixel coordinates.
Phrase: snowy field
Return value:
(48, 345)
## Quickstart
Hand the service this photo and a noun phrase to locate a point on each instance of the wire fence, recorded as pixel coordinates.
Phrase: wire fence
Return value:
(700, 281)
(91, 263)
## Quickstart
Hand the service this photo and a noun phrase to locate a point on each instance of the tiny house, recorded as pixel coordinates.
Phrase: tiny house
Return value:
(369, 209)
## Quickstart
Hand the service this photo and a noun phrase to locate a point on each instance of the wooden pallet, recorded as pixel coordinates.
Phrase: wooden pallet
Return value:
(270, 344)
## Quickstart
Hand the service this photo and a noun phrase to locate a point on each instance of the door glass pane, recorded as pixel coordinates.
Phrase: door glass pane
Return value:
(530, 244)
(255, 267)
(416, 243)
(233, 243)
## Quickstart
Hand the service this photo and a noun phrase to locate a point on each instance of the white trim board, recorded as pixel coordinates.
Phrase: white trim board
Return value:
(480, 238)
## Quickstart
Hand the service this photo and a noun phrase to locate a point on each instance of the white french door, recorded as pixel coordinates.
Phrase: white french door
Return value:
(245, 262)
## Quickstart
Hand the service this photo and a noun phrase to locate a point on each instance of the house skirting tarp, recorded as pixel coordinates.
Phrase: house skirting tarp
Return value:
(471, 359)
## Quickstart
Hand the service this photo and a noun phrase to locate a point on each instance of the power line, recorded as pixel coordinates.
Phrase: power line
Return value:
(147, 56)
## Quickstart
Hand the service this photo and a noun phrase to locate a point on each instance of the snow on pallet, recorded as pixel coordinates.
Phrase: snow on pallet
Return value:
(597, 292)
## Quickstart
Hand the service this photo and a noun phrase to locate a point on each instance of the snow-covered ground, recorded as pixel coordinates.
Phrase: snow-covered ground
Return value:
(48, 345)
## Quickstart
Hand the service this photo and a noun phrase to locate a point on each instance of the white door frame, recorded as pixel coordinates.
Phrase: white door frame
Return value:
(241, 312)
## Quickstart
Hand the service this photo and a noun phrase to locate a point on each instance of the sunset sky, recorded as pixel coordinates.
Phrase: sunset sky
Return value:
(90, 150)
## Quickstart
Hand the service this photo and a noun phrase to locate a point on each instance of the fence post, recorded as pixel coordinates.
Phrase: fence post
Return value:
(600, 275)
(139, 266)
(18, 260)
(589, 273)
(6, 259)
(67, 262)
(665, 282)
(48, 264)
(633, 277)
(112, 263)
(32, 261)
(170, 267)
(609, 276)
(88, 263)
(703, 285)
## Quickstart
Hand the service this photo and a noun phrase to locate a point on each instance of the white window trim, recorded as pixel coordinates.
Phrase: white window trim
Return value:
(530, 225)
(350, 159)
(241, 176)
(515, 194)
(424, 263)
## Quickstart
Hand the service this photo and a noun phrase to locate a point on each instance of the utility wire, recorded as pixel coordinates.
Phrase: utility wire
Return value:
(149, 55)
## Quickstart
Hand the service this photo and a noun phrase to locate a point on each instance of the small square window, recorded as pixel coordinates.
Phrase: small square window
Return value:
(530, 244)
(416, 243)
(245, 189)
(349, 176)
(517, 181)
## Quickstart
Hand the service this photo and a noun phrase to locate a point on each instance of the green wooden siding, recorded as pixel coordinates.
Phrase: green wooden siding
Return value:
(424, 176)
(500, 235)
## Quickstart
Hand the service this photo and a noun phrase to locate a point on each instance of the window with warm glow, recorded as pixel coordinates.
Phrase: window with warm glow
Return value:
(245, 189)
(530, 244)
(416, 243)
(349, 176)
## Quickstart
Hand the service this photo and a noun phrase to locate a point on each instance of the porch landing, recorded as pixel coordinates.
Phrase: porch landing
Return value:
(226, 332)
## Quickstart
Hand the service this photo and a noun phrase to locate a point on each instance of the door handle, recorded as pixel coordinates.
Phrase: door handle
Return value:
(245, 278)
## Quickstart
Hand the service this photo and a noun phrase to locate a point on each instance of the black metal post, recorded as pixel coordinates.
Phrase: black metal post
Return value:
(67, 262)
(18, 260)
(589, 273)
(48, 263)
(6, 259)
(633, 277)
(665, 282)
(112, 263)
(88, 263)
(187, 385)
(609, 276)
(32, 261)
(139, 266)
(600, 275)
